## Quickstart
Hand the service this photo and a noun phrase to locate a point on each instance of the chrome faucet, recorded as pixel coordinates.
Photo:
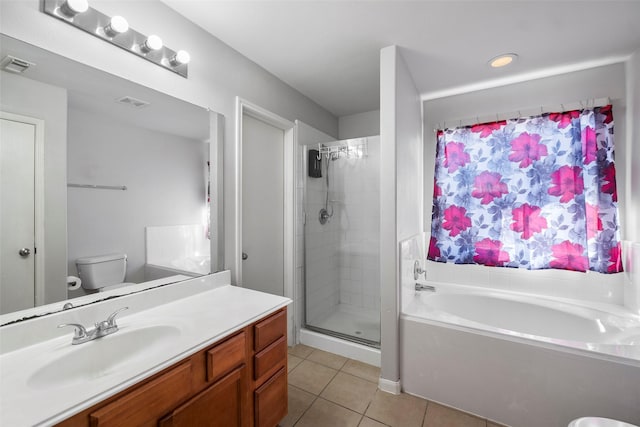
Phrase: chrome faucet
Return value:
(417, 270)
(103, 328)
(421, 287)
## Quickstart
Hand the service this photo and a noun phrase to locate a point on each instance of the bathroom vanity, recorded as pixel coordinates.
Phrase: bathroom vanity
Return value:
(202, 353)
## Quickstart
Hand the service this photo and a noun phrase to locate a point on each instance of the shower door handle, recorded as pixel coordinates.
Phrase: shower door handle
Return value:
(244, 256)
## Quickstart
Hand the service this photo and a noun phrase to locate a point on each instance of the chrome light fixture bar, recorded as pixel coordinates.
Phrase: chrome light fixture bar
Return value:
(116, 31)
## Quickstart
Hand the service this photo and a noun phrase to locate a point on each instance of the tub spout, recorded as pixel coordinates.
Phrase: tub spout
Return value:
(421, 287)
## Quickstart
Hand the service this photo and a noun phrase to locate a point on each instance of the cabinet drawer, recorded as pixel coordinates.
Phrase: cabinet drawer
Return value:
(222, 358)
(269, 330)
(146, 404)
(270, 400)
(275, 355)
(220, 405)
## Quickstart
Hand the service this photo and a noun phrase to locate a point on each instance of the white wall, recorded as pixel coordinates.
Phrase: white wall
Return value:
(49, 103)
(165, 179)
(217, 73)
(358, 125)
(528, 97)
(400, 194)
(632, 155)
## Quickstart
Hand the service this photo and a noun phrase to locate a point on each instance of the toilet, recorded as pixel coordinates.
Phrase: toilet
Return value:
(598, 422)
(103, 272)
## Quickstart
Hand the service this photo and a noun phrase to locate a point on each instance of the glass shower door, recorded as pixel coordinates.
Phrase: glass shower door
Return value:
(341, 239)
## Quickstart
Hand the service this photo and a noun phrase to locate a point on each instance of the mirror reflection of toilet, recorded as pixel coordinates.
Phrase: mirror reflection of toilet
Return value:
(103, 272)
(598, 422)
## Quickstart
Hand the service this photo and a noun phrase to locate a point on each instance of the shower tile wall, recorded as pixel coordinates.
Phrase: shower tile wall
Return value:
(356, 189)
(321, 241)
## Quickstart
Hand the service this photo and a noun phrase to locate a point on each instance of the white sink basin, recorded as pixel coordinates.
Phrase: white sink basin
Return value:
(103, 356)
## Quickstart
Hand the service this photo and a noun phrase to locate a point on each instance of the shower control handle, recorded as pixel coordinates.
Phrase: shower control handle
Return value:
(244, 256)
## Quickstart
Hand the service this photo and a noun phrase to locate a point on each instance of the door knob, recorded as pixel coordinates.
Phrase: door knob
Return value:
(24, 252)
(244, 256)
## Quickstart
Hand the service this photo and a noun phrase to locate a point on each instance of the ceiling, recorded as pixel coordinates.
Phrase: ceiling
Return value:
(330, 50)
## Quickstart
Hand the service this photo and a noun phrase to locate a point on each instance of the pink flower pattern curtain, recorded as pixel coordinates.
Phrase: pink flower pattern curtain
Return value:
(534, 193)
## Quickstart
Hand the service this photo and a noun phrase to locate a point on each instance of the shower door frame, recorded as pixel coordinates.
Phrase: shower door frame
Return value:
(310, 216)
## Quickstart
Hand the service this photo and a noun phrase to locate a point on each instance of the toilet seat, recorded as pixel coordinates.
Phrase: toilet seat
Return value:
(598, 422)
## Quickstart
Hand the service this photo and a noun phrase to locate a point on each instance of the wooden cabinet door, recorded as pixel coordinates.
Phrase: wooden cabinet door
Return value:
(270, 400)
(223, 404)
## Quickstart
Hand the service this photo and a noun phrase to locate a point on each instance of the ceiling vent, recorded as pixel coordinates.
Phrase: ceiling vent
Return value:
(132, 102)
(15, 65)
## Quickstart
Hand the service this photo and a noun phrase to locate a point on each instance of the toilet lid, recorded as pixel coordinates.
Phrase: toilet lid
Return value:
(598, 422)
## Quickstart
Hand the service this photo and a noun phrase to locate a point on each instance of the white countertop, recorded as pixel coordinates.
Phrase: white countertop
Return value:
(202, 318)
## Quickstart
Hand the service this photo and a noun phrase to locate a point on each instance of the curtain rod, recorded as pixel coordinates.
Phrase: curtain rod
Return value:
(525, 112)
(99, 187)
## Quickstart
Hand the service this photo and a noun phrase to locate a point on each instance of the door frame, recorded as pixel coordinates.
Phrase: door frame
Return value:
(245, 107)
(39, 257)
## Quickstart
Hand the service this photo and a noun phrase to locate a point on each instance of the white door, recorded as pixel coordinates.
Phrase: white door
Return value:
(17, 210)
(262, 206)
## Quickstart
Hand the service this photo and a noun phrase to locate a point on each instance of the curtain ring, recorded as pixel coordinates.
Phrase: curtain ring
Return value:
(477, 120)
(497, 119)
(519, 115)
(562, 106)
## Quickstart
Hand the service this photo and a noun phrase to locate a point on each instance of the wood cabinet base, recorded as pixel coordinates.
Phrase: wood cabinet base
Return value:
(232, 383)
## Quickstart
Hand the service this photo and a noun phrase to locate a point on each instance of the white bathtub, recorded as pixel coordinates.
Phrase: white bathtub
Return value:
(194, 266)
(519, 359)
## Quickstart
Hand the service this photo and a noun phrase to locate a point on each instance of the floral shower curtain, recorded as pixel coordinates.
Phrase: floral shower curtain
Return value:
(534, 193)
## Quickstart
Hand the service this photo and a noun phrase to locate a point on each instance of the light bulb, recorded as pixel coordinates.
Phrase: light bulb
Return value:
(180, 58)
(71, 8)
(152, 42)
(502, 60)
(117, 25)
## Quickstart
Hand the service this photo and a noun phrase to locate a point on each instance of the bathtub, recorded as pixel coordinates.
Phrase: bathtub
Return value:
(193, 266)
(520, 359)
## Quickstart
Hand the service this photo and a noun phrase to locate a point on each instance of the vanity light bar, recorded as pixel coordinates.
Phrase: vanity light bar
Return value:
(116, 31)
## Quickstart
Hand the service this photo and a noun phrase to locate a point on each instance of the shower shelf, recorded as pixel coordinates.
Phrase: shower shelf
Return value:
(349, 148)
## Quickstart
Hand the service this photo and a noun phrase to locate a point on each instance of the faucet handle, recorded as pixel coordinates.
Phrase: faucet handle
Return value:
(79, 332)
(111, 320)
(417, 270)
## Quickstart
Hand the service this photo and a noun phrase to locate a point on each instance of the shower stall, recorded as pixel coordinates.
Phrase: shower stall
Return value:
(341, 239)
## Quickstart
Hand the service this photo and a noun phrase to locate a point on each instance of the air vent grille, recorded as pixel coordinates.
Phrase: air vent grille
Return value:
(133, 102)
(15, 65)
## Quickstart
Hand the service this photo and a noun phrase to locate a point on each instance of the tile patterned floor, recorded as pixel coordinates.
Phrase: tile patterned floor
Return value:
(327, 390)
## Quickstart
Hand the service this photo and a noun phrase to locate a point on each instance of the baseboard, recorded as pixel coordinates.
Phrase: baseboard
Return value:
(389, 386)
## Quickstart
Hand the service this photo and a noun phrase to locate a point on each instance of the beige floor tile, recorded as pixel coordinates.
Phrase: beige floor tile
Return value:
(299, 402)
(351, 392)
(301, 350)
(362, 370)
(326, 414)
(325, 358)
(311, 376)
(292, 362)
(442, 416)
(495, 424)
(400, 410)
(368, 422)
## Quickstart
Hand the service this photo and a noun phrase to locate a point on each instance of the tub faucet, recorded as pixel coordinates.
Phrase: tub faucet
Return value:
(421, 287)
(417, 270)
(106, 327)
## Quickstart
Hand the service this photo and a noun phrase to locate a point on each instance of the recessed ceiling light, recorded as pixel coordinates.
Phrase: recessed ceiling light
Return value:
(502, 60)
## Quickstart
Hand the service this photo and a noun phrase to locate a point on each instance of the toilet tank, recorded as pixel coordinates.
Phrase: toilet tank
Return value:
(103, 270)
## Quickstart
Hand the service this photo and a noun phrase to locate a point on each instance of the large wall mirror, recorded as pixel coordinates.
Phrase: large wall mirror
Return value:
(109, 169)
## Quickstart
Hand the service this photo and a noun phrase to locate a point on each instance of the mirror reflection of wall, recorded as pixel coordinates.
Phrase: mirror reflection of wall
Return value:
(159, 151)
(164, 176)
